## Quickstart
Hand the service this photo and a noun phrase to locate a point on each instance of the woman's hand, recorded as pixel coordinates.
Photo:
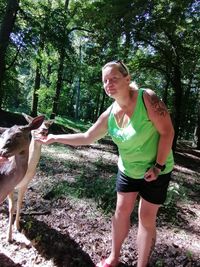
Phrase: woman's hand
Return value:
(46, 140)
(152, 174)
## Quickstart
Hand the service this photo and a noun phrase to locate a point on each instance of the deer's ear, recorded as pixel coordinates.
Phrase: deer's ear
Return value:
(36, 123)
(3, 129)
(28, 118)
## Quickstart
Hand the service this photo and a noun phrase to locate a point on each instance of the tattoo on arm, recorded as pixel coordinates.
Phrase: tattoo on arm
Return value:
(158, 106)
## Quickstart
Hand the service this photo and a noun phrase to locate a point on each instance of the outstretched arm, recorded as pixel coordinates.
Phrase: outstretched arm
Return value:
(94, 133)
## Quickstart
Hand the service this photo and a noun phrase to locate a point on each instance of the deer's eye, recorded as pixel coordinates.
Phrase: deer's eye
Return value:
(9, 141)
(18, 135)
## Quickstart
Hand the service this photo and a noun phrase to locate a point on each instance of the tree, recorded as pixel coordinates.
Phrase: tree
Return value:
(5, 31)
(157, 39)
(167, 31)
(43, 29)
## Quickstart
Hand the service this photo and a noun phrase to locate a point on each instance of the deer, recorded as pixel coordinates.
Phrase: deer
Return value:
(34, 157)
(14, 156)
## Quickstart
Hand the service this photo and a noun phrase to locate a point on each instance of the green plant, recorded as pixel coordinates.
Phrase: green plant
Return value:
(29, 225)
(159, 263)
(74, 125)
(189, 254)
(175, 193)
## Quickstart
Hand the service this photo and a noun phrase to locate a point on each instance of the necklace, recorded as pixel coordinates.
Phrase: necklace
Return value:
(122, 117)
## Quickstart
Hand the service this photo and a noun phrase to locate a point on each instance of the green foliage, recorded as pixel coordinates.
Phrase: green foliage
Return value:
(189, 254)
(176, 192)
(159, 263)
(157, 40)
(29, 225)
(71, 124)
(45, 99)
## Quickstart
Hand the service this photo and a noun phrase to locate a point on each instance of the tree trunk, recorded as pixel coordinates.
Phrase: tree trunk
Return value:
(35, 94)
(6, 28)
(34, 107)
(197, 133)
(165, 94)
(102, 103)
(78, 91)
(96, 113)
(58, 84)
(178, 102)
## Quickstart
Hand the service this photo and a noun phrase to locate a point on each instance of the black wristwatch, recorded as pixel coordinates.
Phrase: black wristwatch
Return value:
(160, 167)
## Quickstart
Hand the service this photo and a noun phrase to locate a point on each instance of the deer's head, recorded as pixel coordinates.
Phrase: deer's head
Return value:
(16, 139)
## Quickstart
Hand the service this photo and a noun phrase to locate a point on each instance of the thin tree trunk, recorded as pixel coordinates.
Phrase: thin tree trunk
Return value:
(37, 79)
(78, 91)
(35, 99)
(198, 130)
(165, 95)
(102, 103)
(60, 73)
(178, 103)
(96, 113)
(35, 93)
(6, 28)
(58, 84)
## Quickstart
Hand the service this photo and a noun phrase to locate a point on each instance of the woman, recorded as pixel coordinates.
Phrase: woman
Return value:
(140, 125)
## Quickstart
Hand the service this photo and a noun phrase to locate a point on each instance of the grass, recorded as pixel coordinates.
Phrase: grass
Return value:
(77, 126)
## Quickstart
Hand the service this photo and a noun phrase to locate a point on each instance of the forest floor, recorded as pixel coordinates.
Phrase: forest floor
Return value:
(71, 228)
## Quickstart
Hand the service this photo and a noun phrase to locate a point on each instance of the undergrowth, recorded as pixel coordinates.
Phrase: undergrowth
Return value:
(100, 190)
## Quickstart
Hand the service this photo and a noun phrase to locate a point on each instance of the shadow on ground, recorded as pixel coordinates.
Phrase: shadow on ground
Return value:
(51, 244)
(7, 262)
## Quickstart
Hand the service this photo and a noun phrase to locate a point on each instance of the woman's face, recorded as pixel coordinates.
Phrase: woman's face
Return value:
(113, 81)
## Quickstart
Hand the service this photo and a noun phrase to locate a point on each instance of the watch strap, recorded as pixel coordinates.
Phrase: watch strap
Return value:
(160, 167)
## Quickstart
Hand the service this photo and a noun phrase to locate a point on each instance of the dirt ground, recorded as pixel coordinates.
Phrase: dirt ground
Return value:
(70, 232)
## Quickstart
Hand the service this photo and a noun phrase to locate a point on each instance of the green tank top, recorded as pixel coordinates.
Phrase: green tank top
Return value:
(137, 142)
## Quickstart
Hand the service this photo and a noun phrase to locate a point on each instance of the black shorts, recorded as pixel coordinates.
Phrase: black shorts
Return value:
(154, 192)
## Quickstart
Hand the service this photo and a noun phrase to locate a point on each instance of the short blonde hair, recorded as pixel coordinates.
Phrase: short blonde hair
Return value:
(123, 69)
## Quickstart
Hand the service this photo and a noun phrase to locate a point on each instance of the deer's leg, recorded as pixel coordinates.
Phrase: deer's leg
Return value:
(11, 211)
(21, 192)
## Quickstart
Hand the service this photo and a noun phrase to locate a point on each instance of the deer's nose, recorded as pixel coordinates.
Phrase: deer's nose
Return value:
(3, 152)
(2, 159)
